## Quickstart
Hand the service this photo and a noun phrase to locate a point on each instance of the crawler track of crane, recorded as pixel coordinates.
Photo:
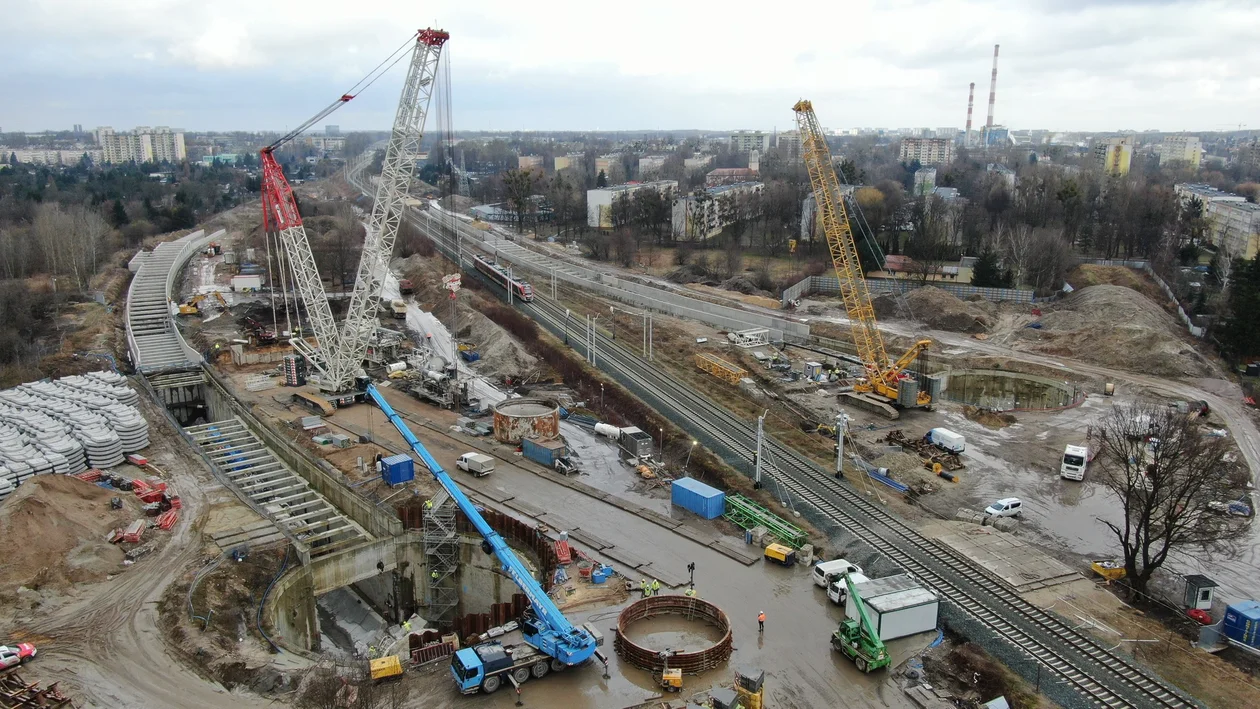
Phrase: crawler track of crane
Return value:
(1103, 677)
(1098, 675)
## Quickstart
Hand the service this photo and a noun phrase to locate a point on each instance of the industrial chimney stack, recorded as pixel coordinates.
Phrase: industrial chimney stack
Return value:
(971, 99)
(992, 88)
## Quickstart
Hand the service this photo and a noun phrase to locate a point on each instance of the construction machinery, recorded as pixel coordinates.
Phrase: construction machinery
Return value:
(886, 386)
(337, 354)
(551, 644)
(193, 305)
(857, 639)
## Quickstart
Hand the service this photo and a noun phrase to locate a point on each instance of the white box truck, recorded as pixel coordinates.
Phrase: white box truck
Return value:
(897, 606)
(478, 464)
(1075, 458)
(946, 440)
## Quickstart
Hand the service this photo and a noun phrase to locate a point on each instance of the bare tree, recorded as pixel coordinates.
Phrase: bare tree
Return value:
(1049, 259)
(519, 187)
(1166, 472)
(1015, 244)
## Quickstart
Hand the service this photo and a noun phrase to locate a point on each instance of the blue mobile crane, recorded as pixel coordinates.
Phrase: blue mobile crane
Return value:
(552, 643)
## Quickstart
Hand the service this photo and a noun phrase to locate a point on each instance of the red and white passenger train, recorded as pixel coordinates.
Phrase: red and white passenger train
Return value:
(498, 274)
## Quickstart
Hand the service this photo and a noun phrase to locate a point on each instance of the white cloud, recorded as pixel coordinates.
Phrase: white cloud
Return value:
(1064, 64)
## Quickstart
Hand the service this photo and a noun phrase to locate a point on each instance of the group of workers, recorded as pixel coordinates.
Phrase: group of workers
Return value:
(653, 588)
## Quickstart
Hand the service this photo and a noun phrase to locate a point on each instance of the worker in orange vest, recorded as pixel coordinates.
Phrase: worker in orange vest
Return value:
(761, 621)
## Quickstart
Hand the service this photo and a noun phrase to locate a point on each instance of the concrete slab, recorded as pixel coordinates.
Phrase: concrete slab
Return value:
(626, 557)
(558, 522)
(737, 550)
(665, 576)
(1004, 555)
(660, 519)
(524, 507)
(591, 541)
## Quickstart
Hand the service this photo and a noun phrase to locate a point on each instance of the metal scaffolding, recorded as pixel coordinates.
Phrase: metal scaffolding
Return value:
(441, 551)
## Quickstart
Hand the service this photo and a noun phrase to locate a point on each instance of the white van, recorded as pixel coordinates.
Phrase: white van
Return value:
(826, 571)
(838, 590)
(1075, 458)
(475, 463)
(946, 440)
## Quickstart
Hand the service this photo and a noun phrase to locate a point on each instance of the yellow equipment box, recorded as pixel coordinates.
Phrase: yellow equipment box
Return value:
(781, 554)
(386, 667)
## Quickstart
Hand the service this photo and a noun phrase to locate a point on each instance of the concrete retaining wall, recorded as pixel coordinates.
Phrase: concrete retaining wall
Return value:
(830, 285)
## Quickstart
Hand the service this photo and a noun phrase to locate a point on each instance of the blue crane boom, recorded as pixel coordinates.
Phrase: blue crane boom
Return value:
(558, 637)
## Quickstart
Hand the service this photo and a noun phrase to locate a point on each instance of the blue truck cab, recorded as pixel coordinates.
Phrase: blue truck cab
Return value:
(487, 666)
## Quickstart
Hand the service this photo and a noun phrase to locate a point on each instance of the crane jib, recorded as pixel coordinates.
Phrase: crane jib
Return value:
(561, 638)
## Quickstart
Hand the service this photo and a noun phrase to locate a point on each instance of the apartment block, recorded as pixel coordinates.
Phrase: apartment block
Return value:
(789, 143)
(748, 140)
(50, 157)
(144, 144)
(529, 162)
(730, 176)
(1113, 156)
(928, 151)
(698, 162)
(1181, 149)
(600, 202)
(701, 216)
(1233, 222)
(651, 164)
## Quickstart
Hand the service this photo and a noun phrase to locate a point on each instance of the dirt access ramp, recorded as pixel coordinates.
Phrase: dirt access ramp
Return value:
(1114, 326)
(55, 530)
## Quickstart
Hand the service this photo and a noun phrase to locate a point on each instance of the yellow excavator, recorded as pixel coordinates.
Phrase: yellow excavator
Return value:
(192, 307)
(887, 387)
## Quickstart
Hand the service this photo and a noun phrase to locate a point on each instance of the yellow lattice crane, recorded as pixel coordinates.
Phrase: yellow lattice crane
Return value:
(886, 387)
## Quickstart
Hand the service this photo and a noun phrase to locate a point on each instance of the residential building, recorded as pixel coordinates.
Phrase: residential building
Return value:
(562, 162)
(529, 162)
(928, 151)
(948, 133)
(606, 163)
(924, 181)
(222, 158)
(325, 143)
(1113, 155)
(651, 164)
(730, 176)
(1006, 174)
(697, 162)
(809, 213)
(747, 140)
(789, 142)
(50, 157)
(1249, 156)
(144, 144)
(700, 216)
(1233, 222)
(949, 194)
(599, 202)
(1181, 149)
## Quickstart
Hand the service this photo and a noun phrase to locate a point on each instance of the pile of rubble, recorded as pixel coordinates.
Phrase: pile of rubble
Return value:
(939, 310)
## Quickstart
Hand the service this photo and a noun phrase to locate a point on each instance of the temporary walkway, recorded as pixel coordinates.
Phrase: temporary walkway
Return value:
(152, 336)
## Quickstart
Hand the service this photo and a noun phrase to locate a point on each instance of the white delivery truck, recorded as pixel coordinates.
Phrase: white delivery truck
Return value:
(476, 463)
(946, 440)
(827, 571)
(838, 591)
(897, 606)
(1075, 458)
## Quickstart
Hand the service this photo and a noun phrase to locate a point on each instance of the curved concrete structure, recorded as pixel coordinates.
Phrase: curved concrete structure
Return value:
(152, 336)
(517, 419)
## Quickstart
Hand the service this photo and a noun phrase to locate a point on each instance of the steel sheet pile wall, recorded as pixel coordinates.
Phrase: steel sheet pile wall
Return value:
(691, 663)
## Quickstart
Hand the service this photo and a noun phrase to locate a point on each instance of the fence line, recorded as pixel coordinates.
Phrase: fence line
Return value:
(830, 285)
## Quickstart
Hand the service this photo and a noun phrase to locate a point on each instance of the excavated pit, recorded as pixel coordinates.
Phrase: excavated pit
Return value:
(1001, 390)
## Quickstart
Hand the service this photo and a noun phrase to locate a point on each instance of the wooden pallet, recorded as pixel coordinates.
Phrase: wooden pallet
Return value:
(16, 692)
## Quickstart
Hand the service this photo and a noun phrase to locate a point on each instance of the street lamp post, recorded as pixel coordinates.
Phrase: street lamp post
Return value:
(689, 452)
(662, 443)
(601, 397)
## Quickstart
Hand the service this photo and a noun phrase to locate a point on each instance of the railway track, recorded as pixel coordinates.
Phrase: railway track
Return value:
(1096, 674)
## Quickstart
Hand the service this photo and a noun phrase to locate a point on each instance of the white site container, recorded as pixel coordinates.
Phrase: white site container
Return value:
(897, 606)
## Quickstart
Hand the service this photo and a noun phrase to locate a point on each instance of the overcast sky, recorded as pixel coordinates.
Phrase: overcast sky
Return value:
(643, 64)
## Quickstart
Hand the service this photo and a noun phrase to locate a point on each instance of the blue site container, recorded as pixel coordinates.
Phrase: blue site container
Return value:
(694, 496)
(398, 469)
(544, 452)
(1242, 623)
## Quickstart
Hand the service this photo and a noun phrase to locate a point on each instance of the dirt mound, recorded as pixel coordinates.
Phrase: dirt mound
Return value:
(1117, 327)
(54, 530)
(744, 284)
(501, 354)
(1088, 274)
(689, 273)
(987, 418)
(939, 310)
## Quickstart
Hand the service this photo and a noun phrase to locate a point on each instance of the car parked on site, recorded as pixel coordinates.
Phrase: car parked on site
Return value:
(1005, 507)
(14, 655)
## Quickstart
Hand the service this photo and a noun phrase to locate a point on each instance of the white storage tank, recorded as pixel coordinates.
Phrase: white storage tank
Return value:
(609, 430)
